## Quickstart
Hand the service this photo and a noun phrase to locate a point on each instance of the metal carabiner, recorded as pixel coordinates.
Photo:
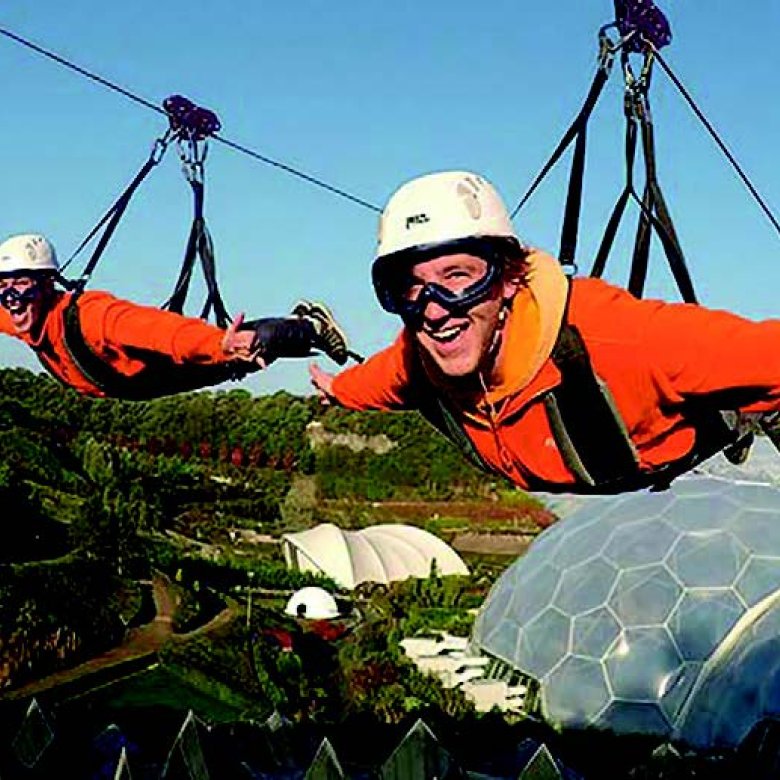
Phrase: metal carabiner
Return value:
(609, 48)
(193, 172)
(160, 146)
(193, 150)
(636, 87)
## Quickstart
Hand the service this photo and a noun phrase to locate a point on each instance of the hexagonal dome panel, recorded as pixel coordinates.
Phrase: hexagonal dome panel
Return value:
(578, 688)
(593, 633)
(641, 664)
(637, 612)
(645, 595)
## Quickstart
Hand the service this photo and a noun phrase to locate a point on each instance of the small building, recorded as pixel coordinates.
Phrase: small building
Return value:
(312, 603)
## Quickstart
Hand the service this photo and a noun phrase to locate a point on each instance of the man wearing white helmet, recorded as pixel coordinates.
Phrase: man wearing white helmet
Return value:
(557, 385)
(101, 345)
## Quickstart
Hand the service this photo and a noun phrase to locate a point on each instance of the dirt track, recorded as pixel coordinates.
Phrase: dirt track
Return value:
(492, 544)
(139, 642)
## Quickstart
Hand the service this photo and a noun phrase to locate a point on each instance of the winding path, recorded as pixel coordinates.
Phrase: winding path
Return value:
(138, 643)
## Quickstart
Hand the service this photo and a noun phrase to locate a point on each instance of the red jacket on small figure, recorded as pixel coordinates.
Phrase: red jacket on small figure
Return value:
(101, 345)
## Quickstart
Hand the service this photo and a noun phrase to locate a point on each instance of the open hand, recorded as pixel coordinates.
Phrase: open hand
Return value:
(240, 344)
(323, 383)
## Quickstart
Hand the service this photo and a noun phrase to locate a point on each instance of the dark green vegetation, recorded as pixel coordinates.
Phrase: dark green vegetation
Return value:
(100, 497)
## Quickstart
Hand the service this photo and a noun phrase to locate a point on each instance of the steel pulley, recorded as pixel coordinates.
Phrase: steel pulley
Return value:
(641, 22)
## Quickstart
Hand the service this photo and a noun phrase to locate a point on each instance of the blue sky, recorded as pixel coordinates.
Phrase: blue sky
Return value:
(366, 95)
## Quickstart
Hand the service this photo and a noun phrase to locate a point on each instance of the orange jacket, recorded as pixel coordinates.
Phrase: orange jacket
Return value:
(124, 334)
(652, 355)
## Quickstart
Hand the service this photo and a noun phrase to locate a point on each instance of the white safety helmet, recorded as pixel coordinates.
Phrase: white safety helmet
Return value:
(442, 212)
(440, 208)
(27, 253)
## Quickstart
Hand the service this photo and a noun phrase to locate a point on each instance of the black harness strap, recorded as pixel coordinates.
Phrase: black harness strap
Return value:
(619, 208)
(199, 243)
(576, 131)
(590, 433)
(592, 438)
(588, 429)
(159, 377)
(571, 215)
(190, 126)
(654, 213)
(199, 246)
(113, 215)
(586, 424)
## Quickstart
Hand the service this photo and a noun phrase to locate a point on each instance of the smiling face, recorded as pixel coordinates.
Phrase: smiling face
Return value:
(457, 341)
(26, 299)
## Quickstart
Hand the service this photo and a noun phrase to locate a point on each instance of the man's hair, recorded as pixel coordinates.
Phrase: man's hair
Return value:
(515, 257)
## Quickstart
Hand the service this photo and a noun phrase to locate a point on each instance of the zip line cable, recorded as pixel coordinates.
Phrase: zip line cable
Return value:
(582, 117)
(78, 69)
(295, 172)
(221, 139)
(715, 137)
(60, 60)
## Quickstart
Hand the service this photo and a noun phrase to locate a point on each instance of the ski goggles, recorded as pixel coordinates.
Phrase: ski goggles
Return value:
(392, 289)
(11, 298)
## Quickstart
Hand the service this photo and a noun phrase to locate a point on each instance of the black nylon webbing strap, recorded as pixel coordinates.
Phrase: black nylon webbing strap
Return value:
(160, 377)
(179, 295)
(97, 371)
(574, 131)
(199, 246)
(584, 418)
(109, 222)
(619, 208)
(437, 413)
(655, 214)
(590, 434)
(592, 438)
(208, 264)
(571, 214)
(578, 130)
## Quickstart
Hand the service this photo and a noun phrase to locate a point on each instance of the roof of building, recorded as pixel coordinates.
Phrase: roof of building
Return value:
(380, 553)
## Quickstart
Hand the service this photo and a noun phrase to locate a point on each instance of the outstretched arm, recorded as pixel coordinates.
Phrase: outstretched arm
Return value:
(717, 353)
(381, 382)
(675, 352)
(112, 323)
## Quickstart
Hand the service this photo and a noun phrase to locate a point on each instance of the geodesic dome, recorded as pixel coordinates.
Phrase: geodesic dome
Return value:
(649, 612)
(379, 553)
(762, 465)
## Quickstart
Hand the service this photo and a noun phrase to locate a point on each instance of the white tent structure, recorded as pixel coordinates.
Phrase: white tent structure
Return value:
(312, 603)
(380, 553)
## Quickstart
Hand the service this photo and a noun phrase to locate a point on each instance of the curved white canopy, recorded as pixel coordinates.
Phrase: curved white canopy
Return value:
(380, 553)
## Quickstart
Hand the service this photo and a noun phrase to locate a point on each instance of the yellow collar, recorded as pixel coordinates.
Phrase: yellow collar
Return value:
(532, 326)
